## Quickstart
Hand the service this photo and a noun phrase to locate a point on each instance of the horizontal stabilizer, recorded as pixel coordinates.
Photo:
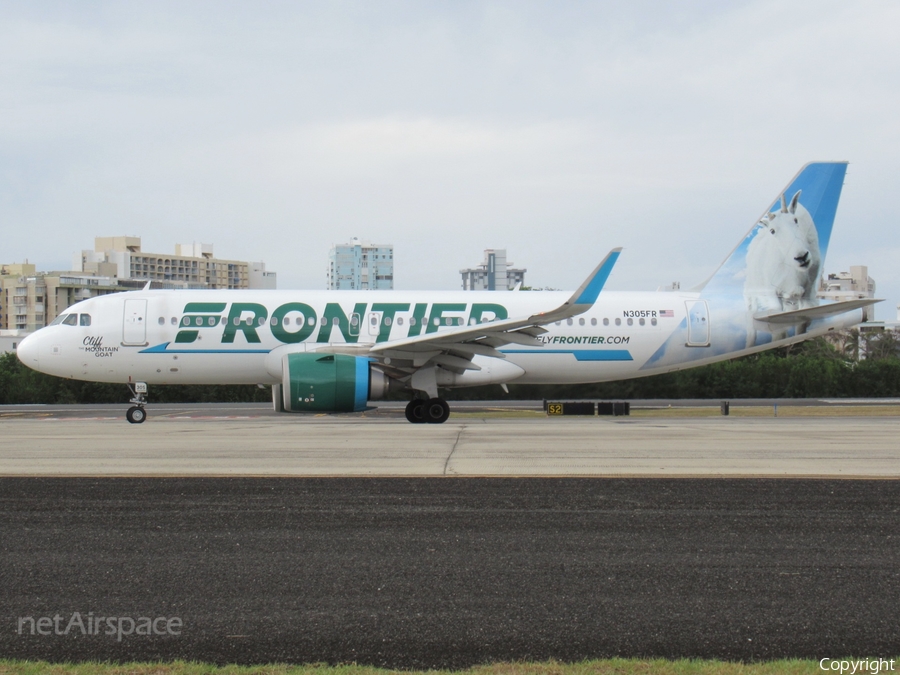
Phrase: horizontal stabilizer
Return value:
(798, 316)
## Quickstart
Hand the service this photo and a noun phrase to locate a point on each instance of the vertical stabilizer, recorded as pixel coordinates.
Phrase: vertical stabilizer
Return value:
(783, 252)
(773, 271)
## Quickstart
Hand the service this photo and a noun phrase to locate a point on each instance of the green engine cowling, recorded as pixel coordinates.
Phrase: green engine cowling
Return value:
(314, 382)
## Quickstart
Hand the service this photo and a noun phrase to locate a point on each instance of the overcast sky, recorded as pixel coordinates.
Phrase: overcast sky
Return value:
(556, 130)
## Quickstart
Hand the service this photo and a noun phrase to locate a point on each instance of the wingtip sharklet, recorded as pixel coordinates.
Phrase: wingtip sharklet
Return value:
(589, 291)
(581, 301)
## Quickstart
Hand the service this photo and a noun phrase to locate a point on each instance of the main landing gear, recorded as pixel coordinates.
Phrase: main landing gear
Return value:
(433, 410)
(136, 413)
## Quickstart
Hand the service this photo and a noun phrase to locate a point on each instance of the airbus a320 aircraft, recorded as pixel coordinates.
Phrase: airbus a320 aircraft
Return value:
(336, 350)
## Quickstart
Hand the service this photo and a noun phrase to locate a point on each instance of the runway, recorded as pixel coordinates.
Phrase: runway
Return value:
(362, 538)
(199, 441)
(437, 573)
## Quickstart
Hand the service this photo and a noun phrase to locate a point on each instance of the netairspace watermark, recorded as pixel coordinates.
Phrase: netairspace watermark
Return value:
(851, 666)
(88, 624)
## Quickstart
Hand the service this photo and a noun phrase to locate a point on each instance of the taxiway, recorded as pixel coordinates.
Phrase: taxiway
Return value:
(185, 443)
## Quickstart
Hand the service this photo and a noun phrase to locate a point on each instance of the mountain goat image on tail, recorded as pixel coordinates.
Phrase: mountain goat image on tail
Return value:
(783, 262)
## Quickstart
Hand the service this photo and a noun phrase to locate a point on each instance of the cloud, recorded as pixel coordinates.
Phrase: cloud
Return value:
(555, 131)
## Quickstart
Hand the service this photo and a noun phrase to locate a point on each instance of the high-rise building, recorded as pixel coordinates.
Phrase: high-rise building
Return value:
(192, 266)
(30, 300)
(360, 265)
(494, 274)
(853, 285)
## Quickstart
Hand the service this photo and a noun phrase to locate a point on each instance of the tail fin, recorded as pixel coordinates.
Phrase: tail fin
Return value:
(794, 233)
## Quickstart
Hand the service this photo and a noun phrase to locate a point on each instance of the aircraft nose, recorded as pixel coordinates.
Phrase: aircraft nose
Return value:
(28, 352)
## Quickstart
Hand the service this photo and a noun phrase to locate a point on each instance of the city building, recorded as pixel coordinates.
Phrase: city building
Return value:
(192, 266)
(360, 265)
(30, 300)
(10, 339)
(853, 285)
(259, 278)
(494, 274)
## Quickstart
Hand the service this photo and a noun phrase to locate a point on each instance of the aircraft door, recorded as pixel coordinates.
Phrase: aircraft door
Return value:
(698, 323)
(134, 327)
(355, 320)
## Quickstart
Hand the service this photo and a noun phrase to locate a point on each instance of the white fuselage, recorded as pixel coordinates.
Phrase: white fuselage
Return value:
(230, 337)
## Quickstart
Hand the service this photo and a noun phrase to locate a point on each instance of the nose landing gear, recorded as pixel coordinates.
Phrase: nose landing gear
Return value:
(136, 413)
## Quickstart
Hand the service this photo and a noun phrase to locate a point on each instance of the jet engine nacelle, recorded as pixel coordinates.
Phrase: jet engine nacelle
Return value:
(329, 382)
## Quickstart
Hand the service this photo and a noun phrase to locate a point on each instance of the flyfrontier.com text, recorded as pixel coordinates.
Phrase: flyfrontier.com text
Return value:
(88, 624)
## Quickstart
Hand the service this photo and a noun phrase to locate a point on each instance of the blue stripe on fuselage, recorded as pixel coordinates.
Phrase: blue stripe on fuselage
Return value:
(163, 349)
(580, 354)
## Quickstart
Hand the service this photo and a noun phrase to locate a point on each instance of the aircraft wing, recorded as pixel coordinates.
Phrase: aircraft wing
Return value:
(455, 347)
(798, 316)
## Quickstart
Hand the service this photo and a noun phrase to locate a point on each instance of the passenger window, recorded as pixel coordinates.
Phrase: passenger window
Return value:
(311, 321)
(335, 322)
(174, 321)
(641, 321)
(605, 322)
(593, 322)
(448, 321)
(274, 320)
(387, 321)
(213, 320)
(630, 322)
(198, 321)
(618, 322)
(568, 322)
(580, 322)
(653, 322)
(323, 321)
(162, 321)
(374, 320)
(437, 322)
(261, 321)
(236, 321)
(399, 320)
(70, 320)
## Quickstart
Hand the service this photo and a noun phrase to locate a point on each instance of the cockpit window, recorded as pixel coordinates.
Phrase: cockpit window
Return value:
(70, 320)
(59, 319)
(85, 319)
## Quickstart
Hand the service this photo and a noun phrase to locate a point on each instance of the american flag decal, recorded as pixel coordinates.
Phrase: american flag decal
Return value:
(667, 314)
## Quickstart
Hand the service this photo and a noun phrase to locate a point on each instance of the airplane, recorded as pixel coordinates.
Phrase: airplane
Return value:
(335, 351)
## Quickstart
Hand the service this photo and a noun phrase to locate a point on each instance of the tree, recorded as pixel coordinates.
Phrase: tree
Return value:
(882, 345)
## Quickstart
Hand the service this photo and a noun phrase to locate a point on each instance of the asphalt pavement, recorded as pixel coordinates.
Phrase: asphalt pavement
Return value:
(449, 572)
(394, 409)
